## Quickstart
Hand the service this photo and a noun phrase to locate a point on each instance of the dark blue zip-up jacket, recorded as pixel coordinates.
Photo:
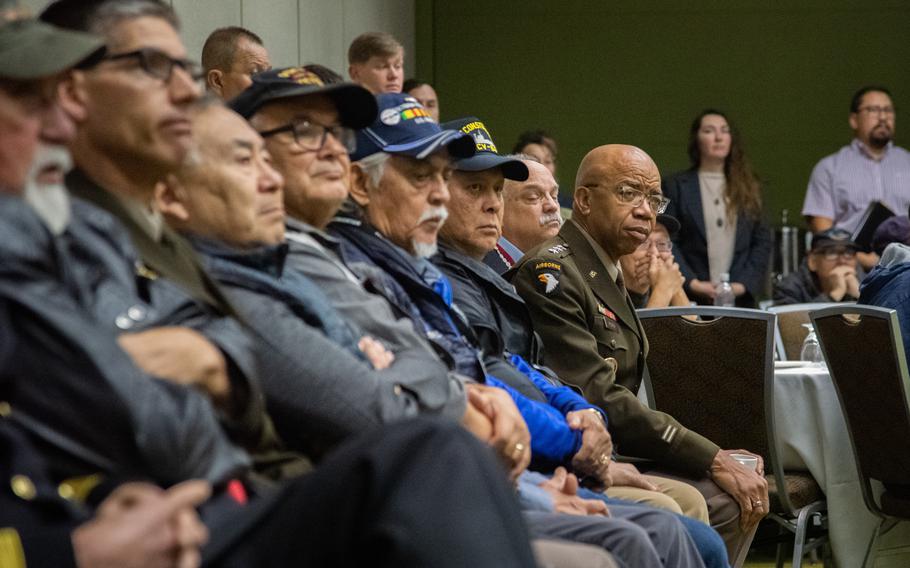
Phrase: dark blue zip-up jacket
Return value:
(552, 441)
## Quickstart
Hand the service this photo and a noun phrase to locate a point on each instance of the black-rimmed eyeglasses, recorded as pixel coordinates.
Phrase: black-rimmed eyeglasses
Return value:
(310, 136)
(158, 64)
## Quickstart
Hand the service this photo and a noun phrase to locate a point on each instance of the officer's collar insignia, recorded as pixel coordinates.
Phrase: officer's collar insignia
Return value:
(558, 249)
(592, 274)
(549, 281)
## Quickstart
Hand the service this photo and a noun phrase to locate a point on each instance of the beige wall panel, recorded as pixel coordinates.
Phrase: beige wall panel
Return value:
(322, 33)
(199, 18)
(393, 16)
(275, 21)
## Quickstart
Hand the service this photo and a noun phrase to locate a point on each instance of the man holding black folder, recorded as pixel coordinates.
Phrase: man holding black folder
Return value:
(869, 169)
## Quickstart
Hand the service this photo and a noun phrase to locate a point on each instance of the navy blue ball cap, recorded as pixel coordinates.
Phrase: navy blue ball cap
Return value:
(356, 105)
(486, 156)
(405, 127)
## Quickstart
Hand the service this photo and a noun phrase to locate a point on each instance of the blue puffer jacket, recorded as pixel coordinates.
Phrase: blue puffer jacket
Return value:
(406, 284)
(888, 286)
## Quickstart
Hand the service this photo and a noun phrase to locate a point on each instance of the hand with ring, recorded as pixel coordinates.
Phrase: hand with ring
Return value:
(592, 460)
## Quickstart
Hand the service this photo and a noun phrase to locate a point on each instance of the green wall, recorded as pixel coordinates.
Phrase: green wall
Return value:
(638, 72)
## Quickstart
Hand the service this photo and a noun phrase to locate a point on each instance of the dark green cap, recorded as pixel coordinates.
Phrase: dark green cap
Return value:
(30, 49)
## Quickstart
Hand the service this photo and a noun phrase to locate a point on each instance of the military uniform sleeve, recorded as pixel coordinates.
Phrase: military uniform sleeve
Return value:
(563, 316)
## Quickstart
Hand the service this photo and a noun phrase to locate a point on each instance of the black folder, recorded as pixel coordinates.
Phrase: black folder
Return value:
(874, 216)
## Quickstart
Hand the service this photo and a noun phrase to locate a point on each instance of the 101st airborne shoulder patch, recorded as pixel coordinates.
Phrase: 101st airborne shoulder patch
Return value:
(548, 273)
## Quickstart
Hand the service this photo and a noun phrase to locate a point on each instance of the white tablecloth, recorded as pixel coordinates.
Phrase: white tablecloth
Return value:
(813, 436)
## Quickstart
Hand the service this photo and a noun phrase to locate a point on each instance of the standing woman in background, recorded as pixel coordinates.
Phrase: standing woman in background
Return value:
(719, 206)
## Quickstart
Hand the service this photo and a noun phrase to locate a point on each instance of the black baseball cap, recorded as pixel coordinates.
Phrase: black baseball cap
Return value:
(356, 105)
(833, 237)
(486, 156)
(405, 127)
(669, 222)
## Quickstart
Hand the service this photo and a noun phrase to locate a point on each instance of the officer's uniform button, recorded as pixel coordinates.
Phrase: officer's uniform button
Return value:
(613, 343)
(137, 313)
(124, 322)
(397, 390)
(23, 487)
(5, 409)
(66, 491)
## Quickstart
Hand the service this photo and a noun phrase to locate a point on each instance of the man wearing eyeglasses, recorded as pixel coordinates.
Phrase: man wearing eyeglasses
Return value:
(870, 168)
(652, 277)
(575, 290)
(828, 273)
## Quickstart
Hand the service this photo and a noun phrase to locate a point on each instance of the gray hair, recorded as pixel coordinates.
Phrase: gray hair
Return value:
(374, 166)
(111, 13)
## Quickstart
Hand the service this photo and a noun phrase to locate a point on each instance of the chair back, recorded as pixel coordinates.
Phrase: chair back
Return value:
(865, 356)
(715, 375)
(788, 340)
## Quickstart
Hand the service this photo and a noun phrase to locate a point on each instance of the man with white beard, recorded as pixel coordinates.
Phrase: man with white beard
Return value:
(530, 215)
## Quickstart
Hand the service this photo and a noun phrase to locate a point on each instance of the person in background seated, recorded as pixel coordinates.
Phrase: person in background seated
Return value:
(539, 145)
(718, 204)
(827, 274)
(652, 276)
(376, 61)
(230, 57)
(425, 95)
(530, 214)
(870, 168)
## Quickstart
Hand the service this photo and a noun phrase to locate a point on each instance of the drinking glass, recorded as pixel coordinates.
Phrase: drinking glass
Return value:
(812, 350)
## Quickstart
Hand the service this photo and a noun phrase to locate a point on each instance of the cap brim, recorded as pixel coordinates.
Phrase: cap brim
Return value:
(458, 144)
(826, 243)
(511, 169)
(30, 49)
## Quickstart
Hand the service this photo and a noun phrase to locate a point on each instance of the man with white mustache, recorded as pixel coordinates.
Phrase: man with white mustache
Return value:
(530, 215)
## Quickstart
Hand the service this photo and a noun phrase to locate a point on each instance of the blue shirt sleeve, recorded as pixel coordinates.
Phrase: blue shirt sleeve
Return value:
(561, 397)
(551, 437)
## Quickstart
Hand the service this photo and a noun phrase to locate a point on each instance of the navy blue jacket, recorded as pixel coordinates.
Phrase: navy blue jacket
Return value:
(751, 249)
(552, 441)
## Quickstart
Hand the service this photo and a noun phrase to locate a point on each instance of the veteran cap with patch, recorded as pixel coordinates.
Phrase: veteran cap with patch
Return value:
(30, 49)
(405, 127)
(486, 155)
(356, 105)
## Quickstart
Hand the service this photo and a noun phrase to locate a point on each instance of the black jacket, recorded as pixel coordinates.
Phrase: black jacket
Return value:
(751, 248)
(801, 287)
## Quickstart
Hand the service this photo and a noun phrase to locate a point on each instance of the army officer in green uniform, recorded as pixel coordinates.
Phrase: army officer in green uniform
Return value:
(592, 337)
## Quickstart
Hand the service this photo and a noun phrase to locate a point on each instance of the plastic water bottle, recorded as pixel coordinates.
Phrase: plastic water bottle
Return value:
(723, 292)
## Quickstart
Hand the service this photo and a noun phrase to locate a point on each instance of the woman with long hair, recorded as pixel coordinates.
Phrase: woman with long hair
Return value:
(718, 203)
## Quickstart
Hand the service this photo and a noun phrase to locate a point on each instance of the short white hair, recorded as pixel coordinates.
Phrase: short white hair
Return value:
(374, 166)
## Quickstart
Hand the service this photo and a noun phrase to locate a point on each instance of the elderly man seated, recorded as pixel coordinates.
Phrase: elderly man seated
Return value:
(652, 278)
(575, 292)
(827, 274)
(530, 214)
